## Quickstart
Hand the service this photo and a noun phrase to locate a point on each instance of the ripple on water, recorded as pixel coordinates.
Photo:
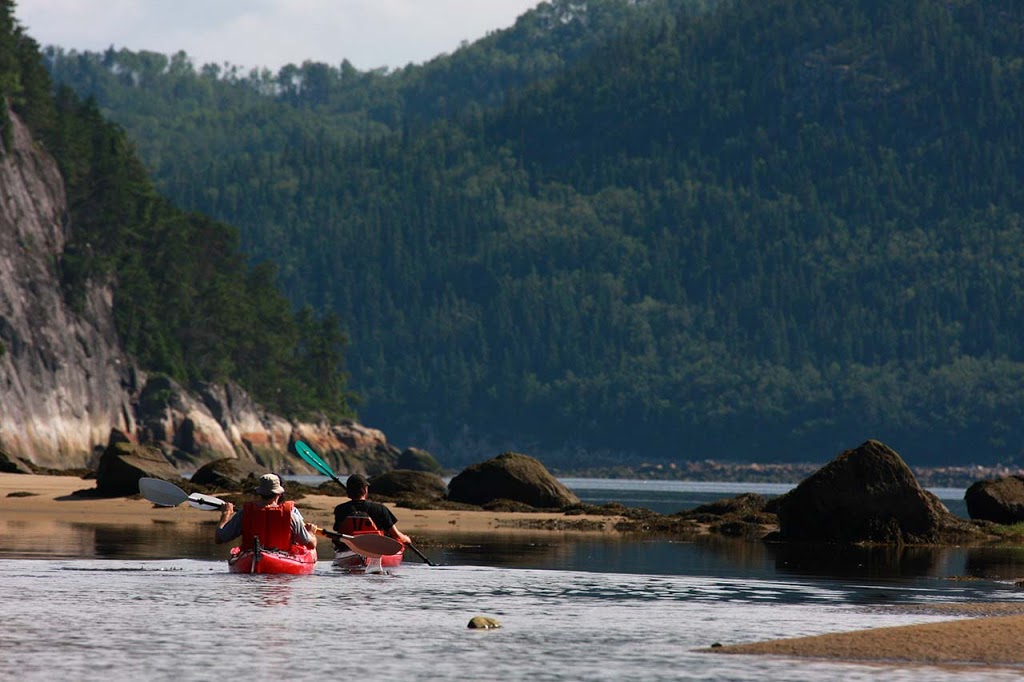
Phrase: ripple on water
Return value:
(192, 620)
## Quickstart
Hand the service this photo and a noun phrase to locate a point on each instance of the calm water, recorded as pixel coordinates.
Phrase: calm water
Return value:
(123, 603)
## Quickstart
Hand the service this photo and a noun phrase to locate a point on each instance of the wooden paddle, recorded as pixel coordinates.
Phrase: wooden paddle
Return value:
(167, 494)
(315, 461)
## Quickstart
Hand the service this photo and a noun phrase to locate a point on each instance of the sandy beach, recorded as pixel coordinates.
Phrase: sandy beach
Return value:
(28, 497)
(976, 634)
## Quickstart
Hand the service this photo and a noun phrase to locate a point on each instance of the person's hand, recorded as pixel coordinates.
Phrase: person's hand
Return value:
(312, 528)
(226, 512)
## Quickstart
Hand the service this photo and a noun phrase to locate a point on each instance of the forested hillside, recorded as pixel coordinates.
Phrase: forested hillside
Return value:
(753, 230)
(187, 304)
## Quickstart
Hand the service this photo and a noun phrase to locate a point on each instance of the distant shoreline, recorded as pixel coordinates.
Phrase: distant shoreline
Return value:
(791, 473)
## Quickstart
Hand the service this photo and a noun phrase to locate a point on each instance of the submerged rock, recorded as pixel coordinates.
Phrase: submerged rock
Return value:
(483, 623)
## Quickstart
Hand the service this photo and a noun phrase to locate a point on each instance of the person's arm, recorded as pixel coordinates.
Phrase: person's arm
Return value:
(399, 535)
(389, 523)
(303, 533)
(230, 525)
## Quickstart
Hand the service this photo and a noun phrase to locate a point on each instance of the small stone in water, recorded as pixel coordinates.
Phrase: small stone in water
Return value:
(483, 623)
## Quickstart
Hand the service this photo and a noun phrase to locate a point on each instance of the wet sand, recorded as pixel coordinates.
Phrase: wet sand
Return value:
(988, 638)
(977, 634)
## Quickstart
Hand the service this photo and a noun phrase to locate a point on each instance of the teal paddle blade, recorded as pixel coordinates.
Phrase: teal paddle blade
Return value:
(313, 459)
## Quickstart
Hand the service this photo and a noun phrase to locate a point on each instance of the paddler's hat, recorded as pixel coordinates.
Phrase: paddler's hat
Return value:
(355, 485)
(269, 485)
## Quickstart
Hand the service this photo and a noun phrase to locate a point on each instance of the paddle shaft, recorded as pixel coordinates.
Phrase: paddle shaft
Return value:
(420, 554)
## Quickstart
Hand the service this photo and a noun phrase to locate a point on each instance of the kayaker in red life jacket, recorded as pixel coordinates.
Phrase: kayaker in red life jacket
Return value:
(277, 524)
(347, 513)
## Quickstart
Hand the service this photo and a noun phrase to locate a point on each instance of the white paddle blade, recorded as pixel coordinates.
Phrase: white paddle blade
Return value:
(161, 493)
(372, 546)
(205, 502)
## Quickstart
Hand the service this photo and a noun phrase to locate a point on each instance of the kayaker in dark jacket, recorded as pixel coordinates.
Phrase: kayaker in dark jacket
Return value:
(275, 522)
(358, 488)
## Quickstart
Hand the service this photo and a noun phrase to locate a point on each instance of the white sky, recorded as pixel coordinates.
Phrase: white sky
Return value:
(271, 33)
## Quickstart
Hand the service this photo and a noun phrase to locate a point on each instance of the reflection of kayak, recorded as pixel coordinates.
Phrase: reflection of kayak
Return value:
(352, 561)
(299, 561)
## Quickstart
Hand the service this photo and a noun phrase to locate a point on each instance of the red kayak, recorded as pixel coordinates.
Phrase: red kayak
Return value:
(299, 561)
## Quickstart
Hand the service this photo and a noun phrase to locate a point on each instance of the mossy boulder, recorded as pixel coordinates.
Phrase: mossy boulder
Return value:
(867, 494)
(401, 483)
(510, 476)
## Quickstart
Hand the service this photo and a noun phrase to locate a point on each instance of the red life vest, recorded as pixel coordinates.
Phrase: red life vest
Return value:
(358, 523)
(272, 524)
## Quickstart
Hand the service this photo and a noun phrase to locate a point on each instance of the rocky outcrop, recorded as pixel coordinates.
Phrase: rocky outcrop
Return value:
(1000, 500)
(123, 464)
(867, 494)
(348, 447)
(511, 476)
(66, 382)
(229, 474)
(402, 482)
(416, 459)
(64, 378)
(9, 464)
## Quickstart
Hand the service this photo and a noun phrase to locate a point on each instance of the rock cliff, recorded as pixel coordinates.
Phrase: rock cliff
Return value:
(64, 379)
(66, 383)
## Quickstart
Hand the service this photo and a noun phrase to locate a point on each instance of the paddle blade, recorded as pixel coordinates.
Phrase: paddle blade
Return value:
(373, 546)
(369, 545)
(205, 502)
(313, 459)
(161, 493)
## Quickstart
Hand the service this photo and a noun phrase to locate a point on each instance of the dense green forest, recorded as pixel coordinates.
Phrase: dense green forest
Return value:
(758, 230)
(187, 304)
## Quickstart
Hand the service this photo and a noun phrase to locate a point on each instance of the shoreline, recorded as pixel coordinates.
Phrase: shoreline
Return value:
(975, 635)
(51, 498)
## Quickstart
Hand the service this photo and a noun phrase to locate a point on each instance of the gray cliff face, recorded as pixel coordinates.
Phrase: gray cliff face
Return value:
(64, 379)
(67, 388)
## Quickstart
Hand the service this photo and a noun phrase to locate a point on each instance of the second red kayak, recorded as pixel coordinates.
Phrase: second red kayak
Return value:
(352, 561)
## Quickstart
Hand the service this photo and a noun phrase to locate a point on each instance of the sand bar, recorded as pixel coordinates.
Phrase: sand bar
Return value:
(989, 640)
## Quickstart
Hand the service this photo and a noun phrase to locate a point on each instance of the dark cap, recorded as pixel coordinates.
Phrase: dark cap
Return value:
(355, 485)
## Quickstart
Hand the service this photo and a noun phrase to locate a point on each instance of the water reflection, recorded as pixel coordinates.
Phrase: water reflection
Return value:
(852, 561)
(635, 554)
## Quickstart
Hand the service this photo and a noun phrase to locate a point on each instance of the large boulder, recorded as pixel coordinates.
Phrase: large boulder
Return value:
(867, 494)
(416, 459)
(402, 482)
(227, 473)
(124, 463)
(1000, 500)
(510, 476)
